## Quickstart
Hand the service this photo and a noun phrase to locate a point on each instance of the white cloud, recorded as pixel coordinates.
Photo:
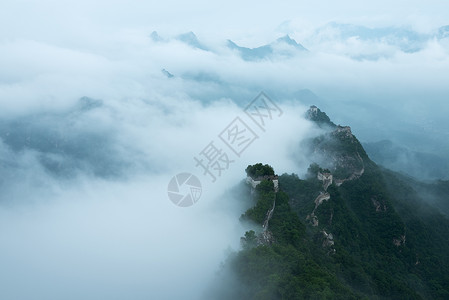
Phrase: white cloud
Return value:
(90, 237)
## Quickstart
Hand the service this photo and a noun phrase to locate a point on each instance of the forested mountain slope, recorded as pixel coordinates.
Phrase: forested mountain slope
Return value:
(351, 229)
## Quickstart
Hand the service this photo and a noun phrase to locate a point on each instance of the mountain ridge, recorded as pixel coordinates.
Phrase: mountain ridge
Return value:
(268, 50)
(369, 236)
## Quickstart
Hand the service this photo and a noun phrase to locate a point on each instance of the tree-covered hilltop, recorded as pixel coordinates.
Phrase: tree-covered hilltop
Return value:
(259, 170)
(388, 242)
(289, 267)
(364, 232)
(370, 242)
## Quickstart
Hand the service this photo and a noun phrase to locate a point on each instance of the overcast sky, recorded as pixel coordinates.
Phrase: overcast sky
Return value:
(84, 21)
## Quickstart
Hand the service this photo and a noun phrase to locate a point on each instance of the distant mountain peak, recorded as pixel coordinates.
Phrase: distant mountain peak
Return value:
(287, 39)
(167, 73)
(232, 45)
(251, 54)
(443, 32)
(268, 50)
(292, 42)
(156, 37)
(191, 39)
(85, 104)
(319, 117)
(188, 36)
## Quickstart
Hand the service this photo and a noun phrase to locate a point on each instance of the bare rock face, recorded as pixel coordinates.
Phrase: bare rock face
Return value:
(314, 114)
(312, 219)
(338, 147)
(266, 238)
(342, 153)
(253, 239)
(379, 204)
(399, 241)
(327, 179)
(345, 130)
(329, 239)
(328, 242)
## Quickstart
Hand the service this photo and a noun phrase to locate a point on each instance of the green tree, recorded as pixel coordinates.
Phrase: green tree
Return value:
(259, 170)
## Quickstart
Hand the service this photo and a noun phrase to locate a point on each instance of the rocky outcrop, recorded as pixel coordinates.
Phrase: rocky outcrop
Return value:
(345, 130)
(399, 241)
(265, 238)
(340, 152)
(312, 219)
(379, 204)
(328, 242)
(328, 239)
(320, 118)
(326, 178)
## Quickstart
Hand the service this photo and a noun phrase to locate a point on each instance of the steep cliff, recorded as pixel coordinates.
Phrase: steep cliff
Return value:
(350, 229)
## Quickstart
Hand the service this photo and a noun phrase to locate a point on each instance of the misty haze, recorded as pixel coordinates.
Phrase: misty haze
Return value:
(224, 151)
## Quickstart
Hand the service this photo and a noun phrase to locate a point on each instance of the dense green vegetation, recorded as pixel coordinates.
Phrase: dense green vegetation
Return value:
(366, 259)
(291, 268)
(259, 170)
(365, 216)
(381, 235)
(265, 198)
